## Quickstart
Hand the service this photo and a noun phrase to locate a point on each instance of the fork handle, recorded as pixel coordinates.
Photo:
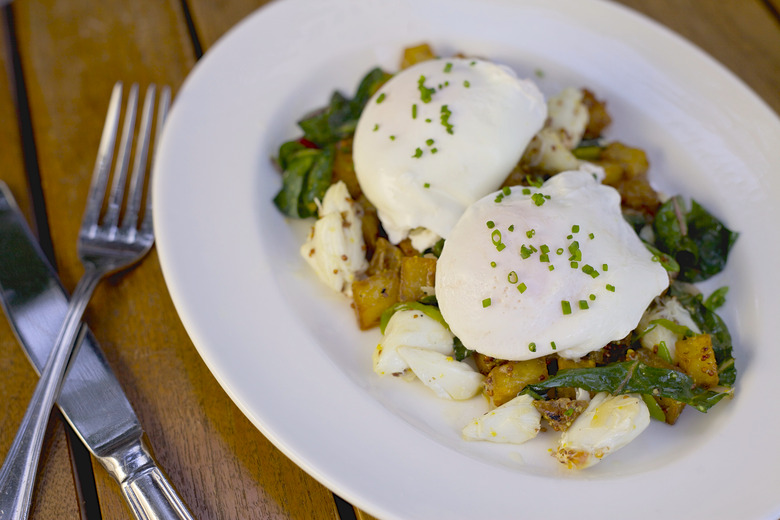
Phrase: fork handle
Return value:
(17, 476)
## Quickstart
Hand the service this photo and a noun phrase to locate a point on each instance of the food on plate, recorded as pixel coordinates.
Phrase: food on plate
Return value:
(560, 259)
(504, 246)
(438, 136)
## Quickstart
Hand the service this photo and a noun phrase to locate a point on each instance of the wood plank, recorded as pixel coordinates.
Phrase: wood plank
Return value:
(54, 495)
(213, 19)
(743, 35)
(72, 53)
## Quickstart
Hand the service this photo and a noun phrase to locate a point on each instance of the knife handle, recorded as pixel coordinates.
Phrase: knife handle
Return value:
(145, 488)
(152, 497)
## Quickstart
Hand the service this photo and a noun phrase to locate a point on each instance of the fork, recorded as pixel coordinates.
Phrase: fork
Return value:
(104, 247)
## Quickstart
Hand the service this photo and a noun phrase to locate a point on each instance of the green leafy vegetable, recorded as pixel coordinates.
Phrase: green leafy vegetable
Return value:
(716, 299)
(339, 119)
(710, 323)
(308, 170)
(628, 377)
(306, 178)
(698, 241)
(461, 352)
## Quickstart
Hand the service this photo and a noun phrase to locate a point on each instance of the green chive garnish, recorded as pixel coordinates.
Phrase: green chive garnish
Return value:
(486, 303)
(610, 287)
(565, 307)
(380, 98)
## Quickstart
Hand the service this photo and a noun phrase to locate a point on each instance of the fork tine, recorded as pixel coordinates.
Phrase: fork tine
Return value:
(139, 165)
(162, 114)
(122, 160)
(97, 188)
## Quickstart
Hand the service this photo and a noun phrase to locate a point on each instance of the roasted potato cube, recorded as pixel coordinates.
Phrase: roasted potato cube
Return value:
(486, 363)
(374, 295)
(598, 119)
(386, 257)
(504, 382)
(344, 168)
(417, 277)
(416, 54)
(633, 161)
(696, 357)
(371, 226)
(636, 193)
(671, 408)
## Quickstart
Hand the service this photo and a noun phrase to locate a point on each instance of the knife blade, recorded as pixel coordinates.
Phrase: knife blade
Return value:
(91, 398)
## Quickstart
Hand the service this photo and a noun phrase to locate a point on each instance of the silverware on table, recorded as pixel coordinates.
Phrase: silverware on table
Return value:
(31, 295)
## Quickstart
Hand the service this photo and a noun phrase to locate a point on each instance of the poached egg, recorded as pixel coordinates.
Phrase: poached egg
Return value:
(528, 272)
(437, 137)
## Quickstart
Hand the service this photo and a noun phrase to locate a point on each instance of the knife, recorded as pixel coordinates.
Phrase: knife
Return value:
(91, 399)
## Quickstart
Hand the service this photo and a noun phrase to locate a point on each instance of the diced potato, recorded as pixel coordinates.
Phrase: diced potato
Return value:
(671, 408)
(633, 161)
(563, 364)
(417, 277)
(696, 356)
(344, 168)
(417, 54)
(386, 257)
(371, 225)
(504, 382)
(636, 193)
(486, 363)
(599, 119)
(374, 295)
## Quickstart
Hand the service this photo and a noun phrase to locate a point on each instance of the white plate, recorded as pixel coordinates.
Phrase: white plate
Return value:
(288, 351)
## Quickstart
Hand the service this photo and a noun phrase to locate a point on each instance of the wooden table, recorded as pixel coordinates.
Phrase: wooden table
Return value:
(60, 59)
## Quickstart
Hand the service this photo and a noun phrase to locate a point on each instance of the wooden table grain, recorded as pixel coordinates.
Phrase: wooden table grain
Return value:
(59, 61)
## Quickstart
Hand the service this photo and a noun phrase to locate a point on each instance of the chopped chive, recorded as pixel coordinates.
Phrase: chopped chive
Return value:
(583, 304)
(512, 277)
(429, 142)
(511, 227)
(486, 303)
(526, 191)
(506, 190)
(392, 138)
(552, 344)
(551, 267)
(466, 83)
(565, 307)
(522, 287)
(525, 252)
(414, 111)
(588, 269)
(490, 224)
(575, 228)
(434, 150)
(574, 265)
(538, 199)
(427, 185)
(559, 251)
(376, 127)
(530, 233)
(493, 264)
(417, 153)
(544, 257)
(610, 287)
(532, 346)
(448, 67)
(591, 236)
(380, 98)
(545, 249)
(604, 267)
(592, 297)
